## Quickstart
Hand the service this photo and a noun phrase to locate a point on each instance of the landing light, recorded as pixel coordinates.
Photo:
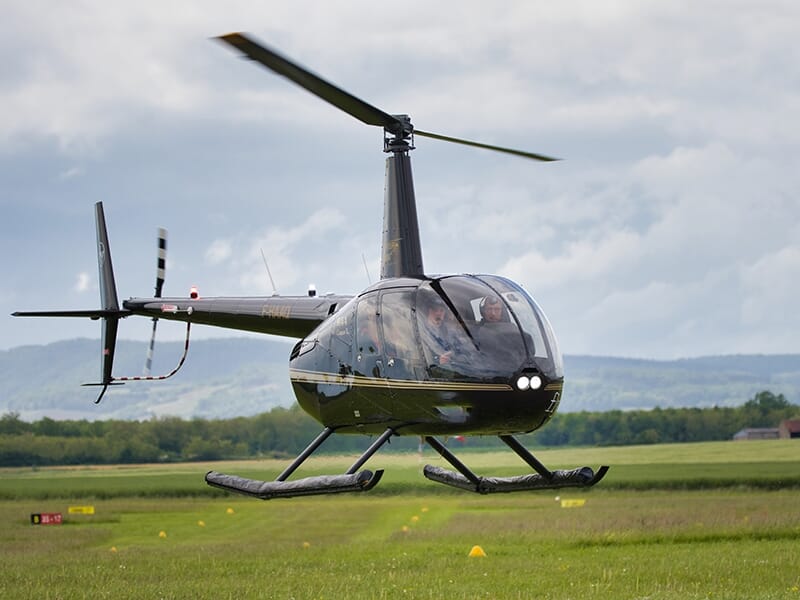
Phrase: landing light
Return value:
(533, 382)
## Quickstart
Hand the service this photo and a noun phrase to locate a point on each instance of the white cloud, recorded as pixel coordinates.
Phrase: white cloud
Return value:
(70, 173)
(771, 289)
(82, 282)
(218, 252)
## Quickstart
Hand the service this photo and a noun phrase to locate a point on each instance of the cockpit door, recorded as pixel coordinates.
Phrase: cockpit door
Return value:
(369, 349)
(386, 344)
(403, 356)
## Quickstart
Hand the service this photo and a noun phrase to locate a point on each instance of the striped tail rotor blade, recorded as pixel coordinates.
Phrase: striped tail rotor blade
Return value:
(148, 363)
(161, 265)
(161, 269)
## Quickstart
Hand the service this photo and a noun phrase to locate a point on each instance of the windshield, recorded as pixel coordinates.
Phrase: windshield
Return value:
(476, 328)
(459, 327)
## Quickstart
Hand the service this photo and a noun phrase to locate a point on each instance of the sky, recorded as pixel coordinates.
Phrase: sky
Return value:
(670, 229)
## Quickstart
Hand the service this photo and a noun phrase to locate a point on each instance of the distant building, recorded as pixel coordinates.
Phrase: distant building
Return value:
(789, 429)
(758, 433)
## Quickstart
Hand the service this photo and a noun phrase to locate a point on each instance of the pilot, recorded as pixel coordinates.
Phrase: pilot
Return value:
(492, 310)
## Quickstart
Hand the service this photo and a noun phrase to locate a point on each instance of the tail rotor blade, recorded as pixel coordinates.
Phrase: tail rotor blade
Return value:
(161, 263)
(148, 363)
(161, 269)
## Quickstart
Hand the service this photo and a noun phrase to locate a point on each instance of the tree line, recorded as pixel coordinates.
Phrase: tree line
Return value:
(284, 432)
(670, 425)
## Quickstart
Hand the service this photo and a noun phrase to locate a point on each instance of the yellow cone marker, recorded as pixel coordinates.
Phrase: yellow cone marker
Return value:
(229, 511)
(162, 534)
(476, 552)
(306, 544)
(201, 523)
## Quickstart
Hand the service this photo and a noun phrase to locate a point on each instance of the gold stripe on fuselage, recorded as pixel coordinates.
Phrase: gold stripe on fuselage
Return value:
(301, 376)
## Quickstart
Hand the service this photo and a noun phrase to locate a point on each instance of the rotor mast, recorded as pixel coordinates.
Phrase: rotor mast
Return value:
(401, 250)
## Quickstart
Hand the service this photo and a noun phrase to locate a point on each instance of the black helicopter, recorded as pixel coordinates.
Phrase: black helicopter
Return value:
(413, 354)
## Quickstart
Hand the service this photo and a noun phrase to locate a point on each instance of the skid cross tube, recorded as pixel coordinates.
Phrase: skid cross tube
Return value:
(529, 458)
(452, 459)
(316, 443)
(374, 447)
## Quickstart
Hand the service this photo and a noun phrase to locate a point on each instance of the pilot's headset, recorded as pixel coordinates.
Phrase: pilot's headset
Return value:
(490, 301)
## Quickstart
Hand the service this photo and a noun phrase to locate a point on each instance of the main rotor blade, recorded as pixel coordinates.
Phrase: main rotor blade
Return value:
(446, 138)
(364, 112)
(342, 100)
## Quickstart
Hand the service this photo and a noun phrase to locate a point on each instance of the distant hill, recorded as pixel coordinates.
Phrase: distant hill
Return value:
(225, 378)
(221, 378)
(598, 383)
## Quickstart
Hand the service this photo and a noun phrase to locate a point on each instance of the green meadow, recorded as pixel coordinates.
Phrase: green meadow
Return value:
(716, 520)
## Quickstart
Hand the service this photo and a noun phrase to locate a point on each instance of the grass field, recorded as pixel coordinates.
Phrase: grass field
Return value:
(697, 533)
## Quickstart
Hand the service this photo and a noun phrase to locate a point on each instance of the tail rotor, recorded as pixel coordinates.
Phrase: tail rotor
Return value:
(111, 313)
(161, 267)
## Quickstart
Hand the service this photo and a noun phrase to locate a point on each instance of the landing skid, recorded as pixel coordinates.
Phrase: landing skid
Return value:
(350, 481)
(310, 486)
(543, 479)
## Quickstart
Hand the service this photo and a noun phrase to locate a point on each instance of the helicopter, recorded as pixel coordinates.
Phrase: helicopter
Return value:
(413, 354)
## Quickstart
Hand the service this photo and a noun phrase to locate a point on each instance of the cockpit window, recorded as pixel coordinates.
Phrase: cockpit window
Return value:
(532, 320)
(463, 327)
(458, 340)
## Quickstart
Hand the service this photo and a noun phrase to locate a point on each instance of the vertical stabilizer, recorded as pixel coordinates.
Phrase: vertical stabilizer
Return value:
(108, 299)
(108, 287)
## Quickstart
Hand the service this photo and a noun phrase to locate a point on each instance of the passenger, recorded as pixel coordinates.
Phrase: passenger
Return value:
(436, 322)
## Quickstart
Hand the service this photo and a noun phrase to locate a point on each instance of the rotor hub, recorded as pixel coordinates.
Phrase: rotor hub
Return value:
(399, 138)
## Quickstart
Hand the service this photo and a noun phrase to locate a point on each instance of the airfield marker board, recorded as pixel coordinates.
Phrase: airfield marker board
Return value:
(46, 519)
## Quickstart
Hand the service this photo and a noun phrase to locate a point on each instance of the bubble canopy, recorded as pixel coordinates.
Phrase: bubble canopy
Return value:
(457, 327)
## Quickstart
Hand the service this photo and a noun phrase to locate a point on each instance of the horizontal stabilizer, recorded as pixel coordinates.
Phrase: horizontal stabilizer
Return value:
(86, 314)
(581, 477)
(310, 486)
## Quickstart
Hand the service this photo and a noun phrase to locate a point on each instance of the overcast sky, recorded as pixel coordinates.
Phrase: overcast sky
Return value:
(670, 229)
